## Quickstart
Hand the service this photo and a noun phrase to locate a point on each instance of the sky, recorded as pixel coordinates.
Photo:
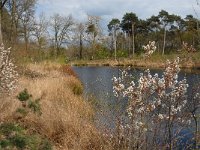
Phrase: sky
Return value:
(108, 9)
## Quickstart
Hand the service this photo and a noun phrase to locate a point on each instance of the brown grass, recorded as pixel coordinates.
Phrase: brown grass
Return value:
(121, 62)
(156, 61)
(66, 120)
(67, 69)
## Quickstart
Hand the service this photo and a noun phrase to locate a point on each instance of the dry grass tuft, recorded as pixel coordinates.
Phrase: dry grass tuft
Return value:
(68, 70)
(66, 120)
(8, 107)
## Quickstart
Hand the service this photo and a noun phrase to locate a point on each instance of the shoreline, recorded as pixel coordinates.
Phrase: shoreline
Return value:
(135, 63)
(188, 67)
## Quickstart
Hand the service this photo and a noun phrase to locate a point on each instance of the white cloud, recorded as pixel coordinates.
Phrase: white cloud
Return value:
(108, 9)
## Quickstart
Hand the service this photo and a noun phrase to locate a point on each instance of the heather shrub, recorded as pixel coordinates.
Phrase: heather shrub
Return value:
(13, 136)
(29, 107)
(24, 95)
(28, 104)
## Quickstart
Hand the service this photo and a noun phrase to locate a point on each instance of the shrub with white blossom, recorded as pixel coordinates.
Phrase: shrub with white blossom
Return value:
(189, 49)
(149, 49)
(155, 107)
(8, 73)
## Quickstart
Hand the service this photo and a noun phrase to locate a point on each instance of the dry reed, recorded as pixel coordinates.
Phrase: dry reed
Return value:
(67, 119)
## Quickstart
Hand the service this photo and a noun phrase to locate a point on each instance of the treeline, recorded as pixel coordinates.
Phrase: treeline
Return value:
(168, 30)
(62, 35)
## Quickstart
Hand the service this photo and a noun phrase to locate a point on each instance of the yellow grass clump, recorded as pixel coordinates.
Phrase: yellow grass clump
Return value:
(66, 120)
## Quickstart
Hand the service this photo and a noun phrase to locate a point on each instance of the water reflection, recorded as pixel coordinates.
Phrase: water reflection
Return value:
(97, 81)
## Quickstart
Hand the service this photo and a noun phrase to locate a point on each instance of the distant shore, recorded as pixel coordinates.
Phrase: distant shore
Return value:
(134, 63)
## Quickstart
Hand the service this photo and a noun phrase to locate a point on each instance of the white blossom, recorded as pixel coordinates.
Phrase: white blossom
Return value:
(152, 93)
(149, 49)
(160, 116)
(8, 73)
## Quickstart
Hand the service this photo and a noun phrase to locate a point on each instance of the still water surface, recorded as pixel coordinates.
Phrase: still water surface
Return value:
(97, 82)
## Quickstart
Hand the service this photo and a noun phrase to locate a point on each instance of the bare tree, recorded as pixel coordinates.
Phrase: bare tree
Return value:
(94, 31)
(61, 27)
(92, 28)
(14, 22)
(40, 30)
(113, 26)
(2, 3)
(81, 30)
(27, 10)
(12, 8)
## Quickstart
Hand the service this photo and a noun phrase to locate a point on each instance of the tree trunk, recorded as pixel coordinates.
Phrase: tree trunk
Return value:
(1, 37)
(115, 44)
(180, 37)
(164, 41)
(197, 134)
(56, 47)
(170, 130)
(133, 38)
(129, 46)
(13, 25)
(196, 131)
(81, 47)
(2, 3)
(26, 39)
(93, 45)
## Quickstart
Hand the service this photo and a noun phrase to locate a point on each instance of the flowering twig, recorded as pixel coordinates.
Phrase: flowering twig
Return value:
(189, 49)
(154, 100)
(149, 49)
(8, 73)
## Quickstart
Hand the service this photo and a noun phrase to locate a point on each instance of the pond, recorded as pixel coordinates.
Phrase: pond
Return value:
(98, 83)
